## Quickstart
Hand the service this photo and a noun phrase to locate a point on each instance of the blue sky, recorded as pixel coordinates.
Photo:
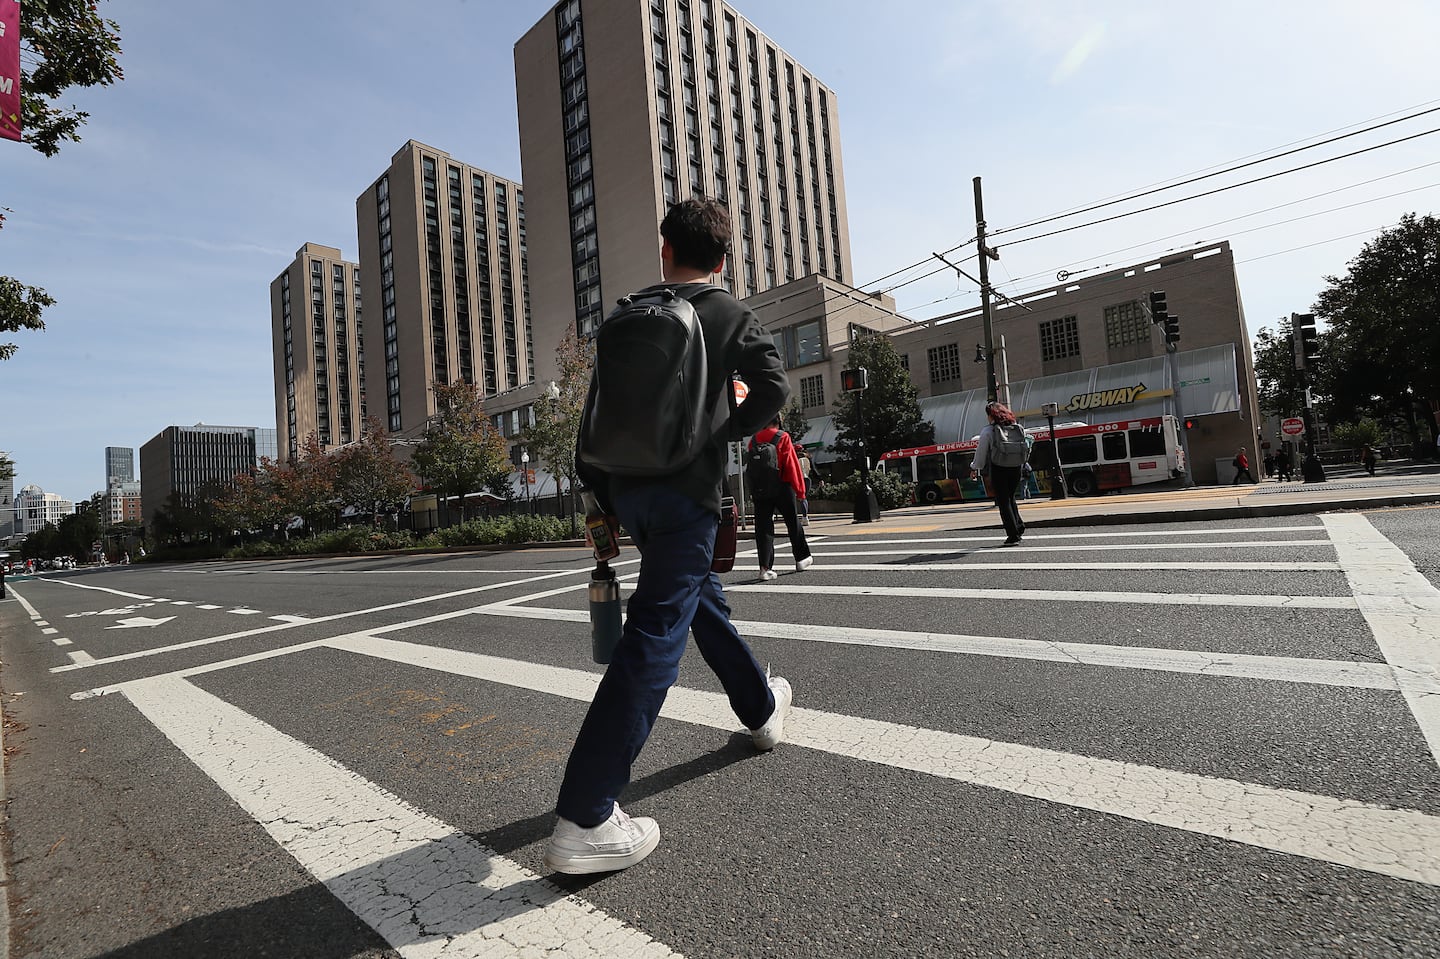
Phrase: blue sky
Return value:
(236, 137)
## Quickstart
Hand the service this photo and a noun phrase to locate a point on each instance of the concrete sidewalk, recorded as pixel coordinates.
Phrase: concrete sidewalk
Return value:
(1346, 488)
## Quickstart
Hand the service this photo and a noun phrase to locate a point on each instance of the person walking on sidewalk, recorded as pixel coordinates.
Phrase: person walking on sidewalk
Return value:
(1004, 479)
(772, 471)
(1367, 458)
(1282, 466)
(1242, 467)
(807, 471)
(673, 520)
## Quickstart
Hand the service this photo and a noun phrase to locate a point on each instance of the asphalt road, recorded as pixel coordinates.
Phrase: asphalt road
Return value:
(1191, 739)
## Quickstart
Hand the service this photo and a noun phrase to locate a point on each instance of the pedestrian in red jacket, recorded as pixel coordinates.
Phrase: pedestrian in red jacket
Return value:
(778, 492)
(1242, 467)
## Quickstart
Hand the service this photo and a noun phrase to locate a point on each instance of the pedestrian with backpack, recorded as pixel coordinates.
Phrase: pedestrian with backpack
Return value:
(1002, 450)
(653, 449)
(772, 473)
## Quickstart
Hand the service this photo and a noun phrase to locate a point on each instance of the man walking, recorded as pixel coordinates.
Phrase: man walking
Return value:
(673, 520)
(776, 486)
(1242, 467)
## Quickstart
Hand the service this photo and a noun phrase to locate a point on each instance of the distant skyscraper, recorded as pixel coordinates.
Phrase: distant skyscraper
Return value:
(119, 464)
(443, 272)
(683, 97)
(187, 459)
(319, 351)
(7, 509)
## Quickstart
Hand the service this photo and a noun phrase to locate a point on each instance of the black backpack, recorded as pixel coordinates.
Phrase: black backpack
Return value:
(762, 468)
(645, 413)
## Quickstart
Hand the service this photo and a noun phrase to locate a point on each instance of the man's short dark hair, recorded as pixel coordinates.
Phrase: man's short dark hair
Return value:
(699, 233)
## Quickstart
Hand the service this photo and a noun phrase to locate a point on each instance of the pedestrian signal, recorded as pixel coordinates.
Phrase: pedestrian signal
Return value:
(853, 381)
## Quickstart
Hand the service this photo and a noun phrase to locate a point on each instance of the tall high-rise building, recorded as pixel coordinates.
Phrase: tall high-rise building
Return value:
(119, 464)
(443, 273)
(319, 350)
(686, 97)
(188, 459)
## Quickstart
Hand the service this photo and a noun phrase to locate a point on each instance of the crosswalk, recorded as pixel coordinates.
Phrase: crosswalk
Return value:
(430, 889)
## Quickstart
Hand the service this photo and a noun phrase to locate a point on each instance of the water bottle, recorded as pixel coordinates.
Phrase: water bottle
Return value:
(604, 612)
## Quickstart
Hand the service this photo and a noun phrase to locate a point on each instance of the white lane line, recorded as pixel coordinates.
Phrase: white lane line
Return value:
(25, 604)
(61, 641)
(1285, 669)
(1403, 610)
(1082, 547)
(158, 599)
(80, 656)
(179, 602)
(103, 589)
(41, 622)
(1118, 534)
(288, 618)
(1236, 567)
(49, 630)
(1402, 843)
(1061, 595)
(207, 606)
(245, 611)
(419, 601)
(425, 886)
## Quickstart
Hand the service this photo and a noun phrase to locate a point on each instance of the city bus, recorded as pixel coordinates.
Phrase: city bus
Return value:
(1096, 458)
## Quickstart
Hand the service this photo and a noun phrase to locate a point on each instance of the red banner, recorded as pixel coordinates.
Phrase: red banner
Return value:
(10, 69)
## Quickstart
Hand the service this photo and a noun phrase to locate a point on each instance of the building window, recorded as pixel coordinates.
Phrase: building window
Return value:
(800, 344)
(812, 391)
(1126, 323)
(1059, 339)
(944, 363)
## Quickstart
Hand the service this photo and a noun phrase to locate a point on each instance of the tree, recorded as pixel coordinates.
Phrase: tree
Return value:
(557, 418)
(254, 500)
(892, 406)
(307, 486)
(7, 467)
(461, 450)
(1383, 342)
(793, 418)
(368, 478)
(1280, 385)
(63, 44)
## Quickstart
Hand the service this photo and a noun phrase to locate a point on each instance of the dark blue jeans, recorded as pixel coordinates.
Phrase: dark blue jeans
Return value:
(676, 593)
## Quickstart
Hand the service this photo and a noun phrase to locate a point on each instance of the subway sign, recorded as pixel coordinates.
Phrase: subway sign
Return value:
(1095, 401)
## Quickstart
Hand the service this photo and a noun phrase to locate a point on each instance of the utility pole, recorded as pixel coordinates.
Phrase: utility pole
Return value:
(992, 388)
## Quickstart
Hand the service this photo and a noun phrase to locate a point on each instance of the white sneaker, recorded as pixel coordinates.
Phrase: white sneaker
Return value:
(768, 736)
(804, 564)
(617, 843)
(768, 574)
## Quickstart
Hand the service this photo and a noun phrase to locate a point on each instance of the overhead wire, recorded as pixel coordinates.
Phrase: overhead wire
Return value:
(1207, 175)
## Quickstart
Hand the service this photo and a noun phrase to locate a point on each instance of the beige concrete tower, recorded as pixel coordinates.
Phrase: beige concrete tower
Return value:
(315, 325)
(443, 277)
(626, 106)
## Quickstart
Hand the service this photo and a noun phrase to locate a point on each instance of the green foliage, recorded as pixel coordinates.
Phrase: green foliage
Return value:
(1362, 432)
(551, 440)
(20, 309)
(1281, 387)
(891, 404)
(368, 477)
(514, 530)
(63, 44)
(67, 44)
(890, 490)
(1381, 353)
(7, 468)
(462, 451)
(794, 421)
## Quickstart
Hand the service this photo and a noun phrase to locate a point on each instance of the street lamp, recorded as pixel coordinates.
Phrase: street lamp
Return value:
(525, 475)
(1057, 478)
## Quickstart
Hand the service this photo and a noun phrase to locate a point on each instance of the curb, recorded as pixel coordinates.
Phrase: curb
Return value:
(1234, 512)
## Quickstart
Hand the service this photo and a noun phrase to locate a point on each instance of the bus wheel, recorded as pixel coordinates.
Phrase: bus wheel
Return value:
(1081, 484)
(929, 494)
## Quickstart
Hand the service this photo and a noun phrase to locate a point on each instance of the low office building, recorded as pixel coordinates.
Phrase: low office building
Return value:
(1089, 346)
(34, 508)
(192, 459)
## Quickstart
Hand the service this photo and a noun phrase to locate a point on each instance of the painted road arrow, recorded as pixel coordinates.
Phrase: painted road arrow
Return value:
(136, 621)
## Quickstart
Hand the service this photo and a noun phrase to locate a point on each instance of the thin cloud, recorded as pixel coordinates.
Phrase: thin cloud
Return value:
(1078, 53)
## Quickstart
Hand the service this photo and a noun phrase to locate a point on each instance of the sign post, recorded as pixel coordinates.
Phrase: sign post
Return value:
(1292, 426)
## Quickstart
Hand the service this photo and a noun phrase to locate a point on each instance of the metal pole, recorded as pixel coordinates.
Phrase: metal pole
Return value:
(867, 507)
(1003, 390)
(992, 390)
(1179, 415)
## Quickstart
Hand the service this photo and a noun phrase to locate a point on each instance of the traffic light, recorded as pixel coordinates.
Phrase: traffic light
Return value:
(853, 381)
(1189, 424)
(1172, 331)
(1306, 340)
(1159, 311)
